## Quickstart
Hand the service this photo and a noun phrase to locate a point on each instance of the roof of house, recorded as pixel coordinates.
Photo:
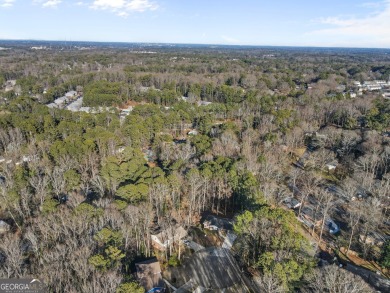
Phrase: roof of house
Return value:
(175, 233)
(71, 93)
(52, 105)
(221, 223)
(309, 212)
(292, 202)
(76, 105)
(61, 100)
(149, 274)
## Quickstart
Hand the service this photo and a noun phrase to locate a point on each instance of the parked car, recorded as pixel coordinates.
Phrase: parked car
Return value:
(186, 243)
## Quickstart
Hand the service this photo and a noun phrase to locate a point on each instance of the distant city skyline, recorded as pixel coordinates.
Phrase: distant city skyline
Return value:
(347, 23)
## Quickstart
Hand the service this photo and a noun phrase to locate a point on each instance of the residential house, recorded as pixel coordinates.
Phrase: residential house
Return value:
(61, 101)
(85, 109)
(292, 203)
(218, 224)
(75, 105)
(371, 88)
(315, 140)
(149, 275)
(144, 89)
(71, 95)
(381, 82)
(168, 236)
(4, 227)
(9, 85)
(52, 106)
(386, 95)
(311, 217)
(374, 85)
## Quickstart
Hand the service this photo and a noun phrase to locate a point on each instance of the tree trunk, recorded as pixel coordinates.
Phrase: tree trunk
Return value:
(350, 240)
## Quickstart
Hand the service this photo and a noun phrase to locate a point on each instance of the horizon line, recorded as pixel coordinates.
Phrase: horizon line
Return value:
(201, 44)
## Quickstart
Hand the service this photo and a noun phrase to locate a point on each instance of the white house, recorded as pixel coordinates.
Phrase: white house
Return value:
(386, 95)
(374, 87)
(71, 94)
(61, 101)
(381, 82)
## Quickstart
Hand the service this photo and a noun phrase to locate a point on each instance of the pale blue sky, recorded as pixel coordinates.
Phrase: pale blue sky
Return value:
(342, 23)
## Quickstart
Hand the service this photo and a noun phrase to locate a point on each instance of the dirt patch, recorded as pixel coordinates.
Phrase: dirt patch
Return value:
(356, 260)
(131, 103)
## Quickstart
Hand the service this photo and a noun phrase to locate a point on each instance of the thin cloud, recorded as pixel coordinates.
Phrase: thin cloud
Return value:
(124, 7)
(123, 14)
(7, 3)
(49, 3)
(372, 4)
(230, 40)
(52, 3)
(373, 30)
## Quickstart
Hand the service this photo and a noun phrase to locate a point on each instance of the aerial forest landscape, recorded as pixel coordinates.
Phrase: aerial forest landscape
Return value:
(179, 165)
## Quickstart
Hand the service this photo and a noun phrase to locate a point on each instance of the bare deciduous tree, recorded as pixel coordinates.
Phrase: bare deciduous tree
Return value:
(332, 279)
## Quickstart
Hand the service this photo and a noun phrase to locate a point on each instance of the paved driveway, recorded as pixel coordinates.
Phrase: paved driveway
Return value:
(195, 246)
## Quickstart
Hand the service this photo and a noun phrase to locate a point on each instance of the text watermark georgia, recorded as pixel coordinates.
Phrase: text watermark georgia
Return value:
(22, 286)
